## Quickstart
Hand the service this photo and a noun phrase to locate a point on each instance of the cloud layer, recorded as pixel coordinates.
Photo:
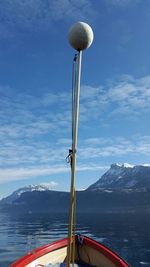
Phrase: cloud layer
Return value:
(119, 146)
(126, 96)
(35, 131)
(19, 16)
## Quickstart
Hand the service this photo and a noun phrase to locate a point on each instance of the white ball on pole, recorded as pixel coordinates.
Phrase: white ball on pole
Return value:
(80, 36)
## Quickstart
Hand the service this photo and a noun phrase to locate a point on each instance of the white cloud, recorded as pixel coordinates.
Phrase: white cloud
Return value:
(91, 153)
(35, 130)
(32, 134)
(17, 174)
(132, 96)
(32, 115)
(107, 147)
(34, 15)
(14, 174)
(31, 153)
(28, 130)
(71, 9)
(126, 95)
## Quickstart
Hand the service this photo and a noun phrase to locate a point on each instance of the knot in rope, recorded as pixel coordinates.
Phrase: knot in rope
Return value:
(69, 157)
(75, 57)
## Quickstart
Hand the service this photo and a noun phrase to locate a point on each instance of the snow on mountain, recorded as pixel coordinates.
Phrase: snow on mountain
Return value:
(124, 176)
(30, 188)
(118, 177)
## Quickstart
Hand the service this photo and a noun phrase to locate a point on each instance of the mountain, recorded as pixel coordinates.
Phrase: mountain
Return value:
(123, 188)
(124, 177)
(97, 201)
(30, 188)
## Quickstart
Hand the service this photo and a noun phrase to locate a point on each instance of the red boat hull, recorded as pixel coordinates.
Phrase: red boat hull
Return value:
(87, 250)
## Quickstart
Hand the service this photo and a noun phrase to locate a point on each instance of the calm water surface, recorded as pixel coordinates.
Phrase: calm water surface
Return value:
(128, 235)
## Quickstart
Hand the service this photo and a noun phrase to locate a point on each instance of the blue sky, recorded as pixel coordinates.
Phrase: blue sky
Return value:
(35, 90)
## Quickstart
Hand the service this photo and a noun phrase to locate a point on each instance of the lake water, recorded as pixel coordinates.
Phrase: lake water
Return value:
(128, 235)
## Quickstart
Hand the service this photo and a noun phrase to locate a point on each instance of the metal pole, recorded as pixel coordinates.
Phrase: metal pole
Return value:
(73, 168)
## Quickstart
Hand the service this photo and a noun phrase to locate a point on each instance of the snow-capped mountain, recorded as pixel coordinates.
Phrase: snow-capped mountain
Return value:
(30, 188)
(124, 176)
(123, 188)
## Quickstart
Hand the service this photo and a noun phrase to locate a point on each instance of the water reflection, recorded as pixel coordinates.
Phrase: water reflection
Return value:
(128, 235)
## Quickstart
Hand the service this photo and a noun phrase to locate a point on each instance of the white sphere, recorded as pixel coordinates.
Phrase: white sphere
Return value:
(80, 36)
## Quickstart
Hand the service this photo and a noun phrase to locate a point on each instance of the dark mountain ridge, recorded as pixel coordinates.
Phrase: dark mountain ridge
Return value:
(123, 188)
(87, 202)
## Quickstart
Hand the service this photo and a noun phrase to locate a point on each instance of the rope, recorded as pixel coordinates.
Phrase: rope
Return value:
(71, 158)
(74, 79)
